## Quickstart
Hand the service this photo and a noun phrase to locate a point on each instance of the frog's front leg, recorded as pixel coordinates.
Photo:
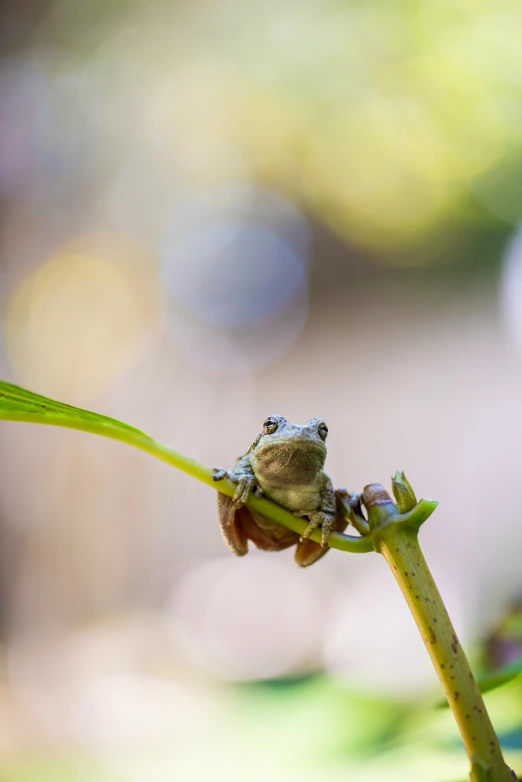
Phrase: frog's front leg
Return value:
(319, 518)
(244, 478)
(325, 516)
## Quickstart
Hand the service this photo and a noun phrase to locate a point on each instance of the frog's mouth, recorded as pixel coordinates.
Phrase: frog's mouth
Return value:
(289, 463)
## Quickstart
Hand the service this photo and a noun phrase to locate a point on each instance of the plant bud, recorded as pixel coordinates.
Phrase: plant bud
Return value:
(403, 493)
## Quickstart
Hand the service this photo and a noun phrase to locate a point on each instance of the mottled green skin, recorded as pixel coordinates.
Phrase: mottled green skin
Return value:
(287, 467)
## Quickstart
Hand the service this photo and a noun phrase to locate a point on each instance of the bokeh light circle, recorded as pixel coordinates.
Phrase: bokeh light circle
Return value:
(247, 623)
(234, 273)
(77, 321)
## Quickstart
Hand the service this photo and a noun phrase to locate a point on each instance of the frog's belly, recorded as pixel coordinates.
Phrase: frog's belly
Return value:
(294, 499)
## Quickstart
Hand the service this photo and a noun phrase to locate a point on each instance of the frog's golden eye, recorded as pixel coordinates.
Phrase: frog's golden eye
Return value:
(270, 425)
(323, 430)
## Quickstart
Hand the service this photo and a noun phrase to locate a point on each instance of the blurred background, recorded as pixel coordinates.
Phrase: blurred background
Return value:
(211, 212)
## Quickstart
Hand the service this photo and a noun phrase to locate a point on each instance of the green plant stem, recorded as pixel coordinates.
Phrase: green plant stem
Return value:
(400, 547)
(137, 439)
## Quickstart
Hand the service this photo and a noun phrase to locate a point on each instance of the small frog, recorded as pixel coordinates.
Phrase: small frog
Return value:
(284, 463)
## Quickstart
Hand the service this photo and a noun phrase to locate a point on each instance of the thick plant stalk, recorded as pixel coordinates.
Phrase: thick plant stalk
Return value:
(398, 542)
(404, 556)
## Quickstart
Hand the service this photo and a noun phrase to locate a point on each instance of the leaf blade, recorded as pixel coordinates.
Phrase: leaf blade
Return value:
(14, 399)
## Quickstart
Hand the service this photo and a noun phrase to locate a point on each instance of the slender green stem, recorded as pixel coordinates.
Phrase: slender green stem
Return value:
(137, 439)
(400, 547)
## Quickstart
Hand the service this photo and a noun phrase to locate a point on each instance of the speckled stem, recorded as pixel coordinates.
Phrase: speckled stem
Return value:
(400, 547)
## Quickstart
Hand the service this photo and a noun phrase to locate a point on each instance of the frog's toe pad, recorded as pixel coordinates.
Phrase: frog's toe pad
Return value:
(314, 523)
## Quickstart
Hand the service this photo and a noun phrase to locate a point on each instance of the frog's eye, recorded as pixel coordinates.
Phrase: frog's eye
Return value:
(270, 425)
(323, 430)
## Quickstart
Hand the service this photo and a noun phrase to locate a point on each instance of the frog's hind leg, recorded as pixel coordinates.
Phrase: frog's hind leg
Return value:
(231, 526)
(308, 551)
(266, 534)
(239, 525)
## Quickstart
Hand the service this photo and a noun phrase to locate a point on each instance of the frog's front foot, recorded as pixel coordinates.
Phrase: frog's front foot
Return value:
(246, 484)
(320, 519)
(220, 474)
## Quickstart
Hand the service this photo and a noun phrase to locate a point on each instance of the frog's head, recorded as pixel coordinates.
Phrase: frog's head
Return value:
(289, 454)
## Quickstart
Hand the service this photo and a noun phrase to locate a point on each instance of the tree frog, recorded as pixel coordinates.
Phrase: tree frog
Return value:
(284, 463)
